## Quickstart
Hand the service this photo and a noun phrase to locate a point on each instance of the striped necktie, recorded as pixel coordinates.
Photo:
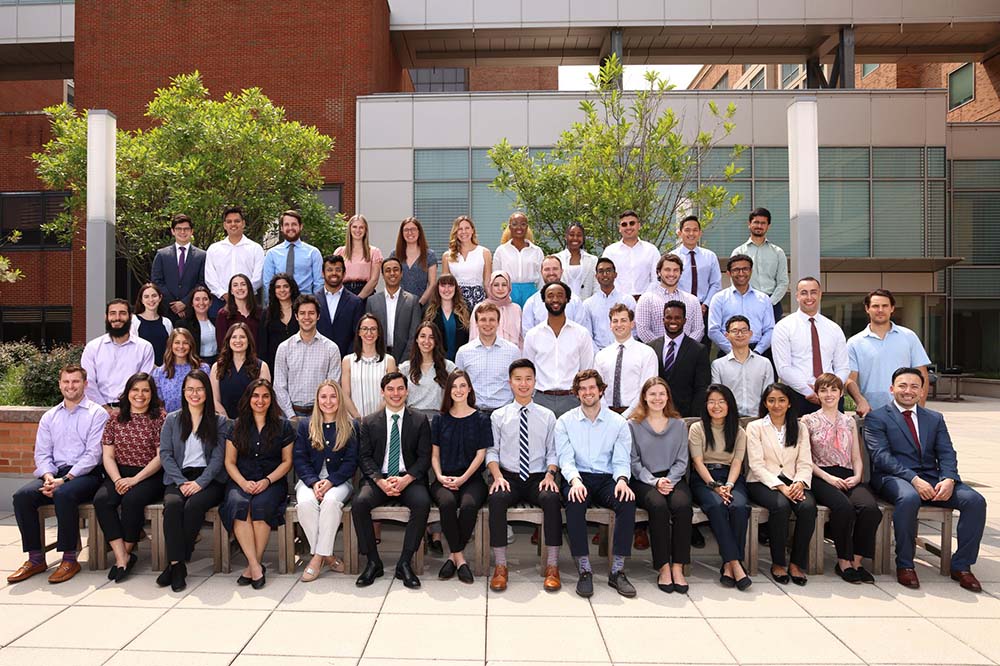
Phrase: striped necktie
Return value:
(523, 454)
(668, 359)
(393, 466)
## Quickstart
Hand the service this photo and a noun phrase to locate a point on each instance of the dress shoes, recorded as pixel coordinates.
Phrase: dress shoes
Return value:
(465, 574)
(178, 577)
(849, 575)
(448, 570)
(865, 576)
(26, 571)
(619, 581)
(743, 584)
(697, 538)
(641, 539)
(123, 572)
(64, 572)
(907, 578)
(404, 572)
(784, 578)
(552, 582)
(372, 571)
(164, 578)
(258, 583)
(114, 572)
(585, 584)
(967, 580)
(498, 583)
(726, 580)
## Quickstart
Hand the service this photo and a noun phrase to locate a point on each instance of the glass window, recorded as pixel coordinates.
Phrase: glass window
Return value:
(789, 73)
(439, 79)
(729, 228)
(898, 162)
(490, 210)
(843, 163)
(936, 163)
(770, 163)
(961, 86)
(330, 195)
(975, 233)
(975, 174)
(26, 212)
(898, 219)
(757, 82)
(715, 161)
(867, 69)
(976, 330)
(936, 233)
(844, 219)
(436, 205)
(441, 164)
(722, 83)
(48, 326)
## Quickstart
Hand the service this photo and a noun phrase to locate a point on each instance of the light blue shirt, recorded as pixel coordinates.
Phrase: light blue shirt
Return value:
(488, 369)
(308, 272)
(601, 446)
(598, 305)
(534, 313)
(754, 305)
(875, 359)
(709, 273)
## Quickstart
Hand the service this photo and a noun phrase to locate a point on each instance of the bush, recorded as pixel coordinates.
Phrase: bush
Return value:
(13, 354)
(11, 392)
(40, 383)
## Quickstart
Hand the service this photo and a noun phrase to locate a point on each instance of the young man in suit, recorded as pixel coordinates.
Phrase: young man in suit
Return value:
(682, 361)
(340, 310)
(179, 268)
(395, 454)
(397, 310)
(914, 463)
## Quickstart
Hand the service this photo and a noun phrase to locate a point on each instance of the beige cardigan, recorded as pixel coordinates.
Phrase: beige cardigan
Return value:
(767, 458)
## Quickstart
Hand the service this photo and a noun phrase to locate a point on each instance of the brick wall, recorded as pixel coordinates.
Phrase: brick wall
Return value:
(513, 78)
(29, 95)
(715, 73)
(984, 108)
(18, 426)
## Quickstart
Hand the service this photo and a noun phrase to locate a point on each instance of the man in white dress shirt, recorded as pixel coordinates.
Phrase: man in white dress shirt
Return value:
(599, 303)
(649, 311)
(701, 275)
(635, 258)
(626, 362)
(230, 256)
(534, 312)
(806, 344)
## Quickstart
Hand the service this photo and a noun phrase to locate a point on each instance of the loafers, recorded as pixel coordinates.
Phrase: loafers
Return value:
(123, 572)
(448, 570)
(620, 582)
(465, 574)
(967, 580)
(498, 583)
(849, 575)
(26, 571)
(64, 572)
(585, 584)
(907, 578)
(865, 576)
(164, 578)
(552, 581)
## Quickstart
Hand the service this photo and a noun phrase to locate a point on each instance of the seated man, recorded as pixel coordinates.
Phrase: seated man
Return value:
(595, 449)
(395, 454)
(914, 463)
(67, 458)
(524, 467)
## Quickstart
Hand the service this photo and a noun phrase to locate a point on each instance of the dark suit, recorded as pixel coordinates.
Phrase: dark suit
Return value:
(177, 287)
(408, 317)
(415, 450)
(896, 460)
(344, 325)
(689, 376)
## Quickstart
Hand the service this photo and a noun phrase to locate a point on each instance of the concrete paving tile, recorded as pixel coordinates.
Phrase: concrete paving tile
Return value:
(790, 641)
(221, 591)
(82, 627)
(949, 600)
(980, 635)
(367, 661)
(902, 641)
(649, 602)
(32, 656)
(312, 632)
(628, 640)
(17, 620)
(528, 598)
(131, 658)
(38, 590)
(545, 639)
(428, 637)
(202, 630)
(336, 593)
(139, 592)
(840, 599)
(763, 599)
(438, 597)
(267, 660)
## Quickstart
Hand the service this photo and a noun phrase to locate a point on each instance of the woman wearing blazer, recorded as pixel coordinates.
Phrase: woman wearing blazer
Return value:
(192, 444)
(325, 457)
(579, 266)
(780, 461)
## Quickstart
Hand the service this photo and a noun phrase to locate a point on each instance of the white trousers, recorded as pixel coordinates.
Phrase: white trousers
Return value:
(321, 520)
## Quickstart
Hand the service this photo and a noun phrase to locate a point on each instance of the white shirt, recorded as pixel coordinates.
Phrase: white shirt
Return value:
(388, 436)
(557, 359)
(638, 365)
(332, 301)
(916, 421)
(391, 301)
(223, 260)
(747, 380)
(636, 265)
(522, 265)
(194, 452)
(599, 306)
(187, 254)
(791, 347)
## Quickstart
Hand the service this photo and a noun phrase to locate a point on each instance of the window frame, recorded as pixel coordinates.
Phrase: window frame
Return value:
(972, 97)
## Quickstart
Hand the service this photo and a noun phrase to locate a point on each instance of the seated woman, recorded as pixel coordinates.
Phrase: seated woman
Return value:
(659, 463)
(192, 444)
(837, 471)
(258, 457)
(459, 439)
(718, 446)
(179, 359)
(132, 464)
(325, 457)
(237, 366)
(498, 293)
(427, 370)
(777, 447)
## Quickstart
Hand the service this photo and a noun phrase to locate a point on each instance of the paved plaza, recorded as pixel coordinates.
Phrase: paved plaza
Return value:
(89, 620)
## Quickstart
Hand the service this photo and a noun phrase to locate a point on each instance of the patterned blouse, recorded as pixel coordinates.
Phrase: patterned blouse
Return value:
(170, 388)
(831, 441)
(137, 441)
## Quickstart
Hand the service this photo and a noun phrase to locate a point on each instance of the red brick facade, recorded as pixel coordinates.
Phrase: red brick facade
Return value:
(984, 107)
(18, 426)
(29, 95)
(513, 78)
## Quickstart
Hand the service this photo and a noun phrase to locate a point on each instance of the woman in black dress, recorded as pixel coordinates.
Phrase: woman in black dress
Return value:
(278, 323)
(150, 322)
(237, 366)
(258, 457)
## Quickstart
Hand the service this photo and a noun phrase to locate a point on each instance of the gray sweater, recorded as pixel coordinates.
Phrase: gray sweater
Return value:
(654, 453)
(172, 452)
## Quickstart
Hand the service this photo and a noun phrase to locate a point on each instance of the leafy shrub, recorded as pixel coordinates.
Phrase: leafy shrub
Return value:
(11, 392)
(15, 353)
(41, 376)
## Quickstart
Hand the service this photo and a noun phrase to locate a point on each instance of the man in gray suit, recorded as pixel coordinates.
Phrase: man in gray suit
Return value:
(397, 310)
(179, 267)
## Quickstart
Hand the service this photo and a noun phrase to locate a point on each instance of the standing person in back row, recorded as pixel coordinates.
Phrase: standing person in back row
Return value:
(115, 356)
(770, 273)
(179, 268)
(701, 275)
(294, 256)
(233, 255)
(520, 258)
(635, 258)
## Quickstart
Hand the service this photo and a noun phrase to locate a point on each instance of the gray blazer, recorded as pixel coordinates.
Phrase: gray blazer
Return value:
(408, 317)
(172, 452)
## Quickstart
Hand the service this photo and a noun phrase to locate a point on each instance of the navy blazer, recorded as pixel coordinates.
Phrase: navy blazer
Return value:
(894, 453)
(164, 274)
(340, 465)
(344, 325)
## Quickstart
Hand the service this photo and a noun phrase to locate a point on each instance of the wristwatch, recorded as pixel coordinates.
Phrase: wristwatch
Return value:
(715, 484)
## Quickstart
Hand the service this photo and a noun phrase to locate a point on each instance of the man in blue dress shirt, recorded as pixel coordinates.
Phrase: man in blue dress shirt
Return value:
(294, 256)
(701, 275)
(741, 299)
(594, 445)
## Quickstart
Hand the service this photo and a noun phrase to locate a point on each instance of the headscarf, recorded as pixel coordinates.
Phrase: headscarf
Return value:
(499, 302)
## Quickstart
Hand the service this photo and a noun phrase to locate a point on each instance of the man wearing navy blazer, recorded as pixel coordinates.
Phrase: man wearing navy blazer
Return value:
(179, 267)
(914, 463)
(682, 361)
(340, 310)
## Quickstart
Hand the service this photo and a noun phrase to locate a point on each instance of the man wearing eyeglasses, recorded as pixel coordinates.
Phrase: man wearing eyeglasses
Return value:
(741, 299)
(635, 258)
(745, 372)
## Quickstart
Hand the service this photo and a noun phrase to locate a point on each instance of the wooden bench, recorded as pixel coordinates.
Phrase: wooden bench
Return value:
(154, 514)
(941, 547)
(397, 513)
(286, 540)
(87, 518)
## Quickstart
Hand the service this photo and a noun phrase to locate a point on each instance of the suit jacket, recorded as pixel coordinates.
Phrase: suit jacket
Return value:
(408, 317)
(894, 453)
(767, 458)
(164, 274)
(689, 376)
(344, 325)
(415, 445)
(194, 328)
(308, 462)
(172, 452)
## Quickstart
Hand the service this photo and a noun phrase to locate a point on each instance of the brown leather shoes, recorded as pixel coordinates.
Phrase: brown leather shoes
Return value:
(64, 572)
(967, 580)
(641, 541)
(498, 583)
(907, 578)
(26, 571)
(552, 582)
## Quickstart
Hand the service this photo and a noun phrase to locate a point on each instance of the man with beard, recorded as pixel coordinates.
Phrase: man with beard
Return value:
(340, 310)
(649, 311)
(294, 256)
(559, 348)
(604, 298)
(770, 265)
(683, 361)
(115, 356)
(534, 313)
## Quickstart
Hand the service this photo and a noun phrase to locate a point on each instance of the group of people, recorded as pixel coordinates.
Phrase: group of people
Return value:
(566, 377)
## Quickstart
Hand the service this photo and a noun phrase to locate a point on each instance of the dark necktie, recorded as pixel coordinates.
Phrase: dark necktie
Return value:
(617, 393)
(394, 447)
(908, 415)
(668, 360)
(694, 274)
(290, 260)
(180, 262)
(817, 356)
(523, 451)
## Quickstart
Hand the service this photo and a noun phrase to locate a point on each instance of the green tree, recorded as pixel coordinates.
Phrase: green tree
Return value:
(628, 152)
(7, 272)
(199, 156)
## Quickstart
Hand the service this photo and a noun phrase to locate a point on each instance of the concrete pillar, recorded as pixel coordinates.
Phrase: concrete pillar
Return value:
(803, 187)
(101, 180)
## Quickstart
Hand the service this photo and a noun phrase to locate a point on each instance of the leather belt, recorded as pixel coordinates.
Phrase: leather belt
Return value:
(618, 410)
(302, 410)
(557, 392)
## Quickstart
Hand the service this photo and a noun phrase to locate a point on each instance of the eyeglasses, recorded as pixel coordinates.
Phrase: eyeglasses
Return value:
(194, 389)
(368, 329)
(739, 331)
(716, 403)
(739, 270)
(627, 223)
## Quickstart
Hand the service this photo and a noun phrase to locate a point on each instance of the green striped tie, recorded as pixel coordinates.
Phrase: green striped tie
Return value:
(394, 447)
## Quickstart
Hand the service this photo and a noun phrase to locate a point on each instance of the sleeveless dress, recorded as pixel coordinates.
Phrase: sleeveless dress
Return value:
(231, 388)
(468, 272)
(366, 377)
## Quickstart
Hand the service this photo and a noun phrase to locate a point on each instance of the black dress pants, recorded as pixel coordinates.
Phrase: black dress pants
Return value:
(133, 505)
(415, 498)
(780, 510)
(669, 521)
(184, 516)
(600, 492)
(67, 499)
(525, 491)
(459, 510)
(854, 515)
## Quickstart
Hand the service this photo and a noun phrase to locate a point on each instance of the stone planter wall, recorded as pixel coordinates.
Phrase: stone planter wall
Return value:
(18, 426)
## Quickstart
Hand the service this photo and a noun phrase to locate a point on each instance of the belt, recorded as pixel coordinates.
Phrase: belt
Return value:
(557, 392)
(716, 466)
(302, 410)
(618, 410)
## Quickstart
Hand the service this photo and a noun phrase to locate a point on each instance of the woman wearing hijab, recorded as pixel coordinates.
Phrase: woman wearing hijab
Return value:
(498, 293)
